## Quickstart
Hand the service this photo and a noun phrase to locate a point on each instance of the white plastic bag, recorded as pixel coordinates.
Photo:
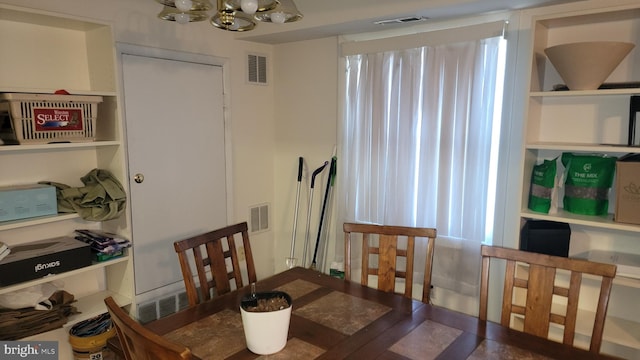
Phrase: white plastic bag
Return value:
(36, 296)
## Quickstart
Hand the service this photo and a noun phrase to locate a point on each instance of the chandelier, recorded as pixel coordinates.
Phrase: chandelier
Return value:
(231, 15)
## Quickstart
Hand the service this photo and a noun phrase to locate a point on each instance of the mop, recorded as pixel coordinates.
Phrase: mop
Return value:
(291, 260)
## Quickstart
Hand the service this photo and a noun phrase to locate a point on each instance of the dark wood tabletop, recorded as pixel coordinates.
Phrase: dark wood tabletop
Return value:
(335, 319)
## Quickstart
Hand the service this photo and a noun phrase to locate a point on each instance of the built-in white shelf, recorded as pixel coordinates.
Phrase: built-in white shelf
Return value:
(15, 224)
(628, 265)
(602, 222)
(52, 91)
(58, 146)
(88, 68)
(602, 92)
(577, 147)
(94, 266)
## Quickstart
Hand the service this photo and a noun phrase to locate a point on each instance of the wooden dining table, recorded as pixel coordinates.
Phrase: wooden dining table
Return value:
(336, 319)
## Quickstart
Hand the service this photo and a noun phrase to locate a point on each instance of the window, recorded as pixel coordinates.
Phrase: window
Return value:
(420, 145)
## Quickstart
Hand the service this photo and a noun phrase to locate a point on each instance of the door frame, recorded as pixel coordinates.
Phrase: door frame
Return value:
(139, 50)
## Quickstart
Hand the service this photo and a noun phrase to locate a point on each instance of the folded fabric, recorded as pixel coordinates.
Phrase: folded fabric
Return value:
(17, 324)
(102, 197)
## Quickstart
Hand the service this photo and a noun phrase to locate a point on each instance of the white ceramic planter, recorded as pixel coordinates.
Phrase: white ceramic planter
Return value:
(266, 332)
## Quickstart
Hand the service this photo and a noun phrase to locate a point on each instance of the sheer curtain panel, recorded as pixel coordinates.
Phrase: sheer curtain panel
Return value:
(417, 147)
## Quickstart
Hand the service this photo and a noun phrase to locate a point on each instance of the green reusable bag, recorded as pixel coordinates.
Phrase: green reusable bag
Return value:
(588, 180)
(543, 181)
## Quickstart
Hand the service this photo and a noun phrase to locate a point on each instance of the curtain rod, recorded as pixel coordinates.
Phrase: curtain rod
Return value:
(428, 38)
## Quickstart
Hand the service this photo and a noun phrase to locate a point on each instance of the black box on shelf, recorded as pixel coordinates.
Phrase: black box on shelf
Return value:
(37, 259)
(545, 237)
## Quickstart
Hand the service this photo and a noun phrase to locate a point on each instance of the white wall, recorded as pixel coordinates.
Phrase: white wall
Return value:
(306, 125)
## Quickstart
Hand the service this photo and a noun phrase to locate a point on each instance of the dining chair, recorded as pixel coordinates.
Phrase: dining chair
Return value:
(216, 258)
(537, 275)
(388, 251)
(140, 343)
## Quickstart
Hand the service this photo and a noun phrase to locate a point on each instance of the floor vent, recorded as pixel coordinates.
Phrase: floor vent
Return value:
(257, 69)
(259, 218)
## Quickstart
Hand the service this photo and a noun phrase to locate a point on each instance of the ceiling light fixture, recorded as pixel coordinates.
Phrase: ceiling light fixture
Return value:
(231, 15)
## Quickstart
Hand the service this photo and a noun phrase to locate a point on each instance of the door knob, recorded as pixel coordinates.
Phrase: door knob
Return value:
(139, 178)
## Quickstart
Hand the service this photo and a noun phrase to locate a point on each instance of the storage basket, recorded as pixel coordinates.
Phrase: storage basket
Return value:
(92, 345)
(42, 118)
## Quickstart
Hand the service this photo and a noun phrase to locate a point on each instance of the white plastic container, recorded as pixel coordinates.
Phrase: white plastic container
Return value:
(266, 332)
(47, 118)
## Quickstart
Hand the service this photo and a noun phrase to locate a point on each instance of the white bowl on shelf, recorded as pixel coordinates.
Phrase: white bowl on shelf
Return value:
(586, 65)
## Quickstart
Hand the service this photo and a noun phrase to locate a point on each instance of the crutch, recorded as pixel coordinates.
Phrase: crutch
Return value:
(291, 260)
(306, 241)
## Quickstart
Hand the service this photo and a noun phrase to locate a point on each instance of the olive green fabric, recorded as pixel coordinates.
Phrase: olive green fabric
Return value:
(20, 323)
(101, 198)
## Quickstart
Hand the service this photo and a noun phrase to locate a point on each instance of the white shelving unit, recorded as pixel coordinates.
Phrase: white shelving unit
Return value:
(593, 121)
(46, 52)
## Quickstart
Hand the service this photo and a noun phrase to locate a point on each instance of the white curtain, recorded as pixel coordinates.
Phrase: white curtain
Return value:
(417, 148)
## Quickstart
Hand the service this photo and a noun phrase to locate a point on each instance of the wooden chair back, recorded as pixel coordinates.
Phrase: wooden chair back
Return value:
(140, 343)
(541, 285)
(216, 261)
(388, 251)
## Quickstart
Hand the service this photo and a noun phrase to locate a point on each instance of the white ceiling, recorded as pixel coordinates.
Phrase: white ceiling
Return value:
(324, 18)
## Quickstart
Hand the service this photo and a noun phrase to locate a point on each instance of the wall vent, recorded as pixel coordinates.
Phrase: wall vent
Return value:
(259, 216)
(403, 20)
(162, 307)
(257, 69)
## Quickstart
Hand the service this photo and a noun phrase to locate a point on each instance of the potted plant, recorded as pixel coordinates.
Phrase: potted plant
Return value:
(265, 319)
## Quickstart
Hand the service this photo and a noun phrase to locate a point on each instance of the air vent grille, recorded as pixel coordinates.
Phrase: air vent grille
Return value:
(403, 20)
(259, 218)
(162, 307)
(257, 69)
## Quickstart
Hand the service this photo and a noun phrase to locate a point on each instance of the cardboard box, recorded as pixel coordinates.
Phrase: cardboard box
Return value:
(37, 259)
(27, 201)
(628, 189)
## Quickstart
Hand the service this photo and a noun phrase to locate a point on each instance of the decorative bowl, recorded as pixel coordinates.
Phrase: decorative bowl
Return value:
(586, 65)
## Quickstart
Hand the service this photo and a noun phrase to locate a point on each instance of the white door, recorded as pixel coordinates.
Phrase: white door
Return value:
(176, 148)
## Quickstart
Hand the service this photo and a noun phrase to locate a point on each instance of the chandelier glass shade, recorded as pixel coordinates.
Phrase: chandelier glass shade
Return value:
(251, 6)
(173, 14)
(232, 20)
(286, 12)
(231, 15)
